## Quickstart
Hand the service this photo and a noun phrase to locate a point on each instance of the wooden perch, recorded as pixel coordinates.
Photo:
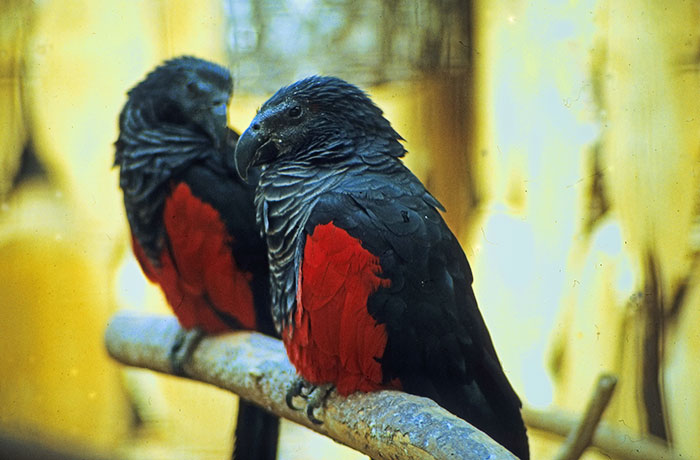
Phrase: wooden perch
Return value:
(383, 425)
(617, 443)
(580, 437)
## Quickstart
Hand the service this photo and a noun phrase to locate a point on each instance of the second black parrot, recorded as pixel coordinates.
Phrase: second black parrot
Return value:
(192, 222)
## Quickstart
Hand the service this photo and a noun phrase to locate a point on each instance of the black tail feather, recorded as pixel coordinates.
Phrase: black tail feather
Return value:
(256, 433)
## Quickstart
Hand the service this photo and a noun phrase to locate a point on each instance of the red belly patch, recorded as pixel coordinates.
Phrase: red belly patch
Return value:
(201, 273)
(334, 338)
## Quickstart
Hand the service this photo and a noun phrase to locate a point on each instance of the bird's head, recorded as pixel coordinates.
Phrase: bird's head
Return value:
(317, 120)
(188, 91)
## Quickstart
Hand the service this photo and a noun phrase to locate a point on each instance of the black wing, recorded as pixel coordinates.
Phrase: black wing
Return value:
(438, 345)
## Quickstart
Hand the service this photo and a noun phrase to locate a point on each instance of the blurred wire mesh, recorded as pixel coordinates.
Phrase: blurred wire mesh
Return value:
(272, 43)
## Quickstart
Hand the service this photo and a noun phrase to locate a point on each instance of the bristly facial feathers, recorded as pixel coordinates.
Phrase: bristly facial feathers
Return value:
(183, 94)
(302, 122)
(331, 103)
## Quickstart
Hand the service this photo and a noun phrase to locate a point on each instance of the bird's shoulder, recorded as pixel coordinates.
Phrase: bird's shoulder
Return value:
(398, 213)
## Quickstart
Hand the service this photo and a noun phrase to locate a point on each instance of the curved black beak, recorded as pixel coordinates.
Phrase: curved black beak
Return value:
(246, 150)
(217, 125)
(214, 122)
(252, 149)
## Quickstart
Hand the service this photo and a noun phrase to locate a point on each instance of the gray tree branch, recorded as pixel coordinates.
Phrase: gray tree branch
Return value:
(383, 425)
(581, 436)
(618, 444)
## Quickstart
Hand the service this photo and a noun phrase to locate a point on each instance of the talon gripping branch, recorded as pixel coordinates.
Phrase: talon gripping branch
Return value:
(192, 222)
(370, 289)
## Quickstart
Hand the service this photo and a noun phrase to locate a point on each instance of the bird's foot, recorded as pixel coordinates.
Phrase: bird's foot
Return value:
(316, 400)
(315, 396)
(185, 343)
(300, 387)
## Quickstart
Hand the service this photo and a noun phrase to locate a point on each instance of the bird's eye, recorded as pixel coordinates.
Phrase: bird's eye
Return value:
(193, 87)
(294, 112)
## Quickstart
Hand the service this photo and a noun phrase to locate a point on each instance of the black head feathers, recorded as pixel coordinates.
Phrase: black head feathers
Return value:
(341, 101)
(197, 75)
(317, 119)
(185, 91)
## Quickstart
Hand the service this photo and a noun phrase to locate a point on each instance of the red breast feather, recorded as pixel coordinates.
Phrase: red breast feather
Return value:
(197, 270)
(334, 338)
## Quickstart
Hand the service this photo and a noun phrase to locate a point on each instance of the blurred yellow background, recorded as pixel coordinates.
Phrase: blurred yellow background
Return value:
(564, 146)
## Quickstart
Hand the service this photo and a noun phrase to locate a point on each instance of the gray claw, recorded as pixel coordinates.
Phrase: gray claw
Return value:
(316, 399)
(310, 414)
(295, 390)
(314, 394)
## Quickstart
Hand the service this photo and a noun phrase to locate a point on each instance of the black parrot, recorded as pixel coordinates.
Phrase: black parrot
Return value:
(192, 221)
(370, 289)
